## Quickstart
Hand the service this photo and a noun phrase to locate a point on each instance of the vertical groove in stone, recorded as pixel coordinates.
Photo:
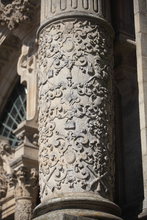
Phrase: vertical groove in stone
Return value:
(47, 8)
(95, 6)
(91, 5)
(63, 4)
(53, 6)
(85, 4)
(100, 7)
(74, 4)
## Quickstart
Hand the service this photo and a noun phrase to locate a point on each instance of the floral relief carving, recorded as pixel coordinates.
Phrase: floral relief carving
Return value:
(13, 12)
(75, 109)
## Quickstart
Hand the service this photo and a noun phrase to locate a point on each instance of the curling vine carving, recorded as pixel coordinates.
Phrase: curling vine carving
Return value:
(75, 109)
(13, 12)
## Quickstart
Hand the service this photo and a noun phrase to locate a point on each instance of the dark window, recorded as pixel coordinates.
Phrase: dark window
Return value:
(14, 113)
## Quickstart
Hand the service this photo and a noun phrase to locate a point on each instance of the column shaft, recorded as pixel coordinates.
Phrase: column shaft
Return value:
(75, 102)
(75, 62)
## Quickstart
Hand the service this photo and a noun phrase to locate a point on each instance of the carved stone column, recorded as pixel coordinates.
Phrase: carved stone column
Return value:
(76, 155)
(25, 193)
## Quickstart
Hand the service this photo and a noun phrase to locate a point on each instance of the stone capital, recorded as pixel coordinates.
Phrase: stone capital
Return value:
(26, 189)
(26, 182)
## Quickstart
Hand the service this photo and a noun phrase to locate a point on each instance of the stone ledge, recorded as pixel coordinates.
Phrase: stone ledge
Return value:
(63, 217)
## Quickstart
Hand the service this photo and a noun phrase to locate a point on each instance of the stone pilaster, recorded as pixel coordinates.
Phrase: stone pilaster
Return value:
(76, 150)
(25, 192)
(140, 15)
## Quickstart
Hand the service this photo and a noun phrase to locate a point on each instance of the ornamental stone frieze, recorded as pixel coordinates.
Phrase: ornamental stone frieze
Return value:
(76, 147)
(14, 12)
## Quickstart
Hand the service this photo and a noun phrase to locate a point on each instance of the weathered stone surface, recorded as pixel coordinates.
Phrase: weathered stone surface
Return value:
(25, 192)
(5, 169)
(53, 8)
(63, 217)
(14, 12)
(76, 150)
(75, 109)
(77, 214)
(140, 9)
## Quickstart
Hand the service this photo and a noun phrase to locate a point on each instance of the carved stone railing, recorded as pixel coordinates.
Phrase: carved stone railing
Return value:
(76, 149)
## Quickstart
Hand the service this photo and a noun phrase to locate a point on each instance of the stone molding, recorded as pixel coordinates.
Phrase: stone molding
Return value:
(63, 217)
(59, 9)
(14, 12)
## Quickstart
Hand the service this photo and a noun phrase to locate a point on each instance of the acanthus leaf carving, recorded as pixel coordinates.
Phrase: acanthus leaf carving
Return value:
(15, 11)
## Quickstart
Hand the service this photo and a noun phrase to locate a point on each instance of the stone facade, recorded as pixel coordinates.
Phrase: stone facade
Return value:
(78, 152)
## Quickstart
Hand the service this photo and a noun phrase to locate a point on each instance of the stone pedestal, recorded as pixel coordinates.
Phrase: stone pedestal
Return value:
(76, 150)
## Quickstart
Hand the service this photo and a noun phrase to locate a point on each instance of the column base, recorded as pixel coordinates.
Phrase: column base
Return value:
(63, 217)
(143, 215)
(81, 205)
